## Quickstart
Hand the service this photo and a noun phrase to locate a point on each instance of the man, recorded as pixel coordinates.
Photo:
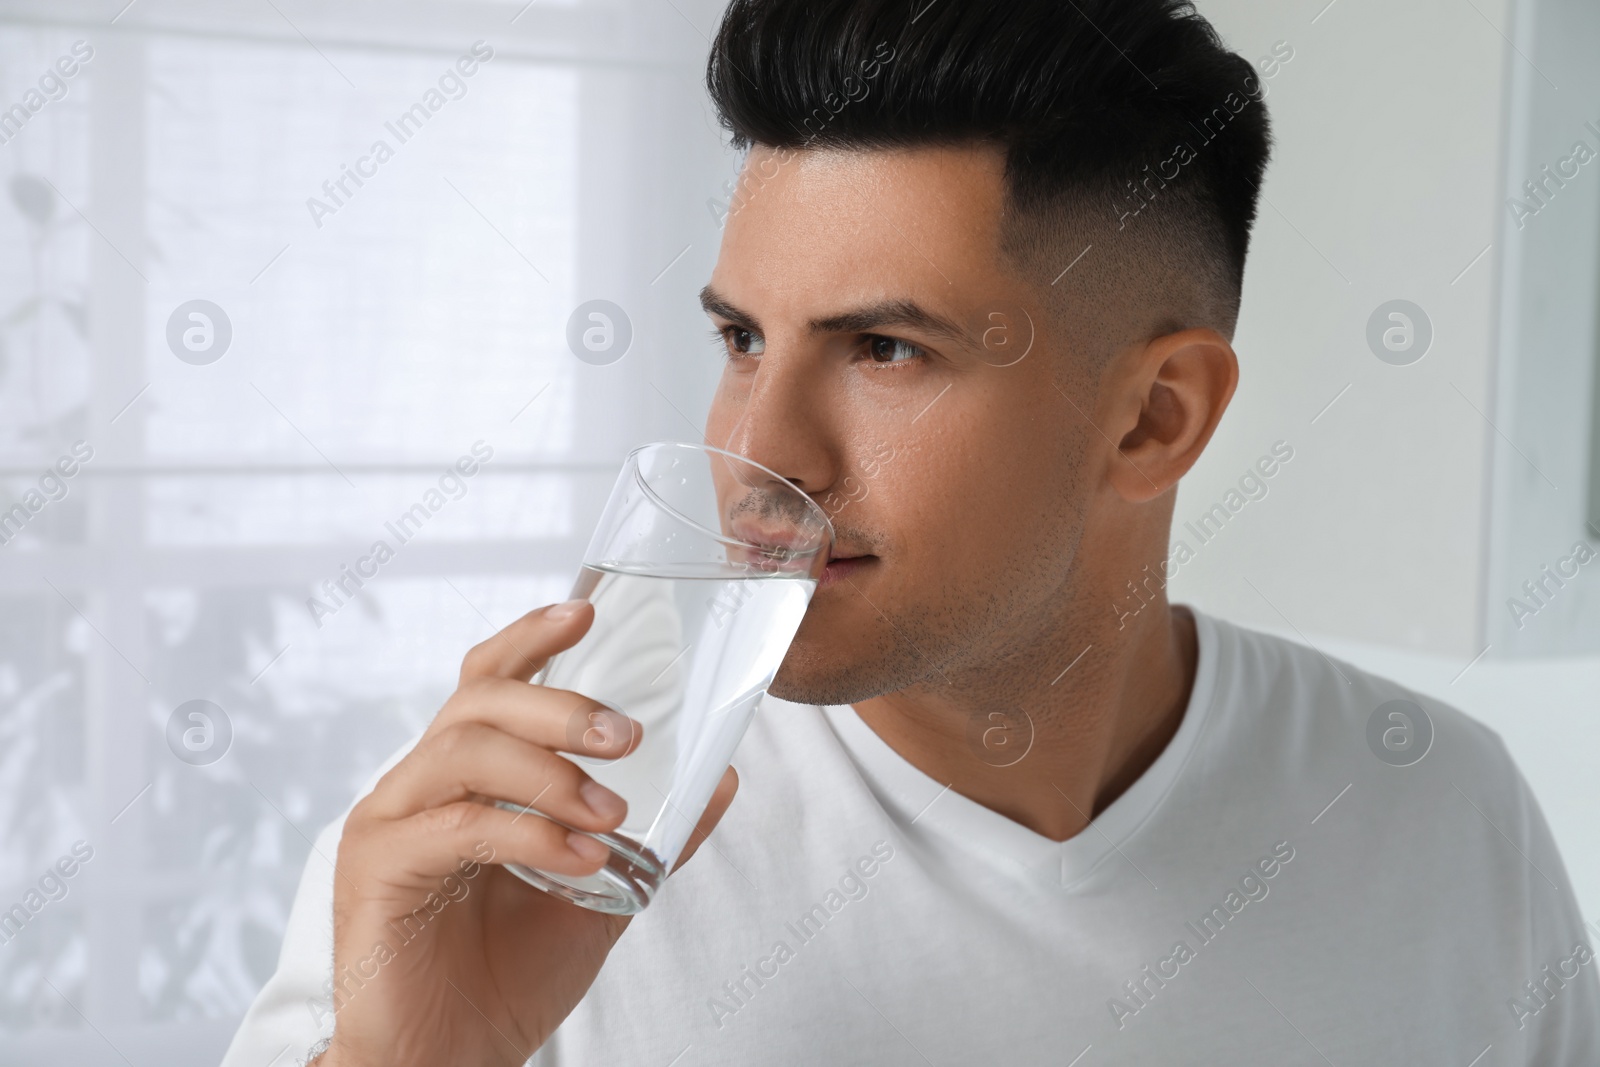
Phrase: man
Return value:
(976, 293)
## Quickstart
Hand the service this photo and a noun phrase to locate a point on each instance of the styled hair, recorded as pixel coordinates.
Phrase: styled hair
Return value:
(1103, 108)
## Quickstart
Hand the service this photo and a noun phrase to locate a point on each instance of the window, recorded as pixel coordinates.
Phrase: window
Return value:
(217, 539)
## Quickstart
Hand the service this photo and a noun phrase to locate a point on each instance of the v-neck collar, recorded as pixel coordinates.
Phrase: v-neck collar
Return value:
(919, 803)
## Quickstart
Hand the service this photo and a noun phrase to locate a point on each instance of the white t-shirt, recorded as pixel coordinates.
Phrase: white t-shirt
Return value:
(1269, 892)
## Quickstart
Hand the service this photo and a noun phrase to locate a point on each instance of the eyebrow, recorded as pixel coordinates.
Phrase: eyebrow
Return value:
(869, 318)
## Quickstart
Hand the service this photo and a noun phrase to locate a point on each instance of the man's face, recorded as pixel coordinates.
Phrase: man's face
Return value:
(885, 359)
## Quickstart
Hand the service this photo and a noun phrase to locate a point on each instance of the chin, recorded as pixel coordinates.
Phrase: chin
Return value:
(842, 654)
(820, 690)
(825, 676)
(808, 677)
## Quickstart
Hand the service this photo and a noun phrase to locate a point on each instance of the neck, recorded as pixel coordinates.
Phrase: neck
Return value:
(1048, 734)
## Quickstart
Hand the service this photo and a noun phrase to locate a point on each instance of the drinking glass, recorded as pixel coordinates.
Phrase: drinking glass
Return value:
(699, 571)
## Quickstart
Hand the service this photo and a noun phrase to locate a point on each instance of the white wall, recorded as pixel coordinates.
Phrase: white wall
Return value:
(1374, 541)
(1544, 465)
(1384, 185)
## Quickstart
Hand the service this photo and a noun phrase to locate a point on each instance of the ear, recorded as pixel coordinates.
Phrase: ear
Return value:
(1165, 405)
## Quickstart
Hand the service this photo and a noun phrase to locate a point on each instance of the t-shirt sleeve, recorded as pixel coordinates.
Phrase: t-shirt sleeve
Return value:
(1558, 1015)
(292, 1015)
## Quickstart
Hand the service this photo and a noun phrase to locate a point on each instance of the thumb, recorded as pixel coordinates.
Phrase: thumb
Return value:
(713, 814)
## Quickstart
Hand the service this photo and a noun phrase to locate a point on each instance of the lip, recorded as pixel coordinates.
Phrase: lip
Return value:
(755, 532)
(840, 568)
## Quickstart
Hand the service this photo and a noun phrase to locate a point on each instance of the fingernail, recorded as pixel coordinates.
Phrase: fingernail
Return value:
(587, 847)
(602, 801)
(564, 609)
(609, 732)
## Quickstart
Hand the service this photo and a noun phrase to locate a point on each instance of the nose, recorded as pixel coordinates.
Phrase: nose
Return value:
(782, 425)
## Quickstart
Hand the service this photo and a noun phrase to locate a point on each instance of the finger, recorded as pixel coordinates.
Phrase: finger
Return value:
(522, 648)
(557, 719)
(713, 814)
(471, 760)
(417, 850)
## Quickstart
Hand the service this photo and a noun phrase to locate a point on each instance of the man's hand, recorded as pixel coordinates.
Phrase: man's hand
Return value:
(441, 955)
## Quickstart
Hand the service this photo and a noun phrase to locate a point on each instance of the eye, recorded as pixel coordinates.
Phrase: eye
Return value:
(891, 350)
(739, 341)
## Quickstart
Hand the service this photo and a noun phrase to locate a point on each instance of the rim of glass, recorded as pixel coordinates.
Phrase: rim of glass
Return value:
(827, 524)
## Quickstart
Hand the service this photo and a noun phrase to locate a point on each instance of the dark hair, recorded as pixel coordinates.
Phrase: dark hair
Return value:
(1087, 98)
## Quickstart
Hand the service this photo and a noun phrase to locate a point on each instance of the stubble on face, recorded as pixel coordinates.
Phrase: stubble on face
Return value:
(994, 629)
(977, 519)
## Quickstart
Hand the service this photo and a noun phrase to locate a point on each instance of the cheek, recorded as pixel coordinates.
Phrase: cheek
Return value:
(723, 415)
(981, 492)
(931, 498)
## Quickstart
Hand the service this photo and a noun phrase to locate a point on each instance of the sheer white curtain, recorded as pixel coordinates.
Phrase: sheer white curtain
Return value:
(381, 343)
